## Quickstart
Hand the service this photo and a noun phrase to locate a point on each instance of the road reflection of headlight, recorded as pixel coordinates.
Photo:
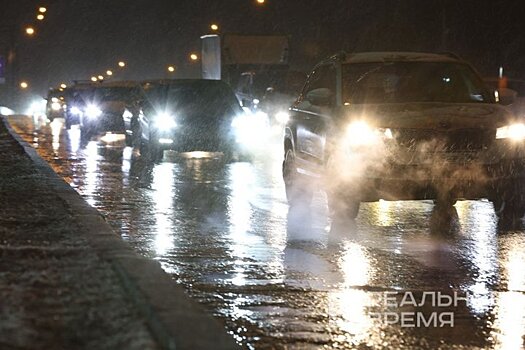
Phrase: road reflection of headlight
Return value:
(165, 121)
(360, 133)
(514, 132)
(93, 111)
(282, 117)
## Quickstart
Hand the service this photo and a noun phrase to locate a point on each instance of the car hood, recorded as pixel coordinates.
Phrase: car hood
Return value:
(445, 116)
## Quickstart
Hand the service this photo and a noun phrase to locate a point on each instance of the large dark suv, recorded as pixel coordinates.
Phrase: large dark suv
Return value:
(402, 126)
(190, 116)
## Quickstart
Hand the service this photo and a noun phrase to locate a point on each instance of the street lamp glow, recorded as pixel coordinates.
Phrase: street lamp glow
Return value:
(100, 77)
(171, 69)
(93, 78)
(214, 27)
(42, 9)
(109, 73)
(260, 2)
(194, 57)
(122, 64)
(24, 85)
(30, 31)
(40, 17)
(63, 86)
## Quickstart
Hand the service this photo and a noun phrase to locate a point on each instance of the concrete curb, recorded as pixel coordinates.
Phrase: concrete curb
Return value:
(175, 320)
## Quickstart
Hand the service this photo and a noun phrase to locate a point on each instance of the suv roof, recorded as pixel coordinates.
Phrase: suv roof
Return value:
(365, 57)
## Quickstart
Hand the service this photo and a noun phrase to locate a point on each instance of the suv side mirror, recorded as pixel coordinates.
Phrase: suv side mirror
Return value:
(507, 96)
(320, 97)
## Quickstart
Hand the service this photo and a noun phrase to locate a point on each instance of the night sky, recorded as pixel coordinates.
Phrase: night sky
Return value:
(80, 38)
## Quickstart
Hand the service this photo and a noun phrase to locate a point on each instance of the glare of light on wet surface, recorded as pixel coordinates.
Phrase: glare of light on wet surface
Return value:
(201, 154)
(56, 130)
(111, 138)
(509, 322)
(162, 197)
(74, 140)
(91, 177)
(127, 154)
(347, 305)
(509, 310)
(240, 213)
(478, 219)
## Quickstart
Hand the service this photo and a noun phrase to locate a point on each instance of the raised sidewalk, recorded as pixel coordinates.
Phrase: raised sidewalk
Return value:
(67, 281)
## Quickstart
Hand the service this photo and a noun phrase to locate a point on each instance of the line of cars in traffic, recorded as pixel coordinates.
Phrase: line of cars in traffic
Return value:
(185, 115)
(365, 127)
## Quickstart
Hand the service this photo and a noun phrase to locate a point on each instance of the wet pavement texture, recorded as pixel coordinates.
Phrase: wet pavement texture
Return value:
(293, 279)
(56, 292)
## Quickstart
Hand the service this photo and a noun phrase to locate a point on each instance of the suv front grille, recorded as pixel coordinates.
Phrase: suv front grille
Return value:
(437, 141)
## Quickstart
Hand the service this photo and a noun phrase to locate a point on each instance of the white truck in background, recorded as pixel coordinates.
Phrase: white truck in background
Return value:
(256, 67)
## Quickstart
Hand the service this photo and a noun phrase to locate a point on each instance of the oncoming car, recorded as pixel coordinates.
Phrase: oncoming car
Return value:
(188, 116)
(102, 106)
(402, 126)
(55, 105)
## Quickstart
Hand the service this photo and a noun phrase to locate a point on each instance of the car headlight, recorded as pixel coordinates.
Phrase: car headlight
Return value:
(164, 121)
(282, 117)
(251, 129)
(93, 111)
(56, 106)
(513, 131)
(75, 110)
(360, 133)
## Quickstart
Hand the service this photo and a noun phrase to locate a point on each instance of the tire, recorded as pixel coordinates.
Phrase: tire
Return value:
(135, 138)
(510, 204)
(298, 191)
(343, 205)
(129, 140)
(156, 153)
(143, 147)
(444, 203)
(510, 210)
(151, 150)
(85, 133)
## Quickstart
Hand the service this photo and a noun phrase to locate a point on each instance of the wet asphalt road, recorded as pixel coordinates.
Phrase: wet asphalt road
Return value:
(293, 279)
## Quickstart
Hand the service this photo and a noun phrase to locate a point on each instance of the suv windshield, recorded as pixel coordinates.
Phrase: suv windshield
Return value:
(403, 82)
(198, 98)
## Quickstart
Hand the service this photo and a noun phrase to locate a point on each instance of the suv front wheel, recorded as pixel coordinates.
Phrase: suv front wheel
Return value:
(298, 191)
(509, 210)
(343, 205)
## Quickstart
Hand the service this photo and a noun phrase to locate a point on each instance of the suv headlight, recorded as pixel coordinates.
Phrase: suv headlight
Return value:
(93, 111)
(164, 121)
(282, 117)
(360, 133)
(513, 131)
